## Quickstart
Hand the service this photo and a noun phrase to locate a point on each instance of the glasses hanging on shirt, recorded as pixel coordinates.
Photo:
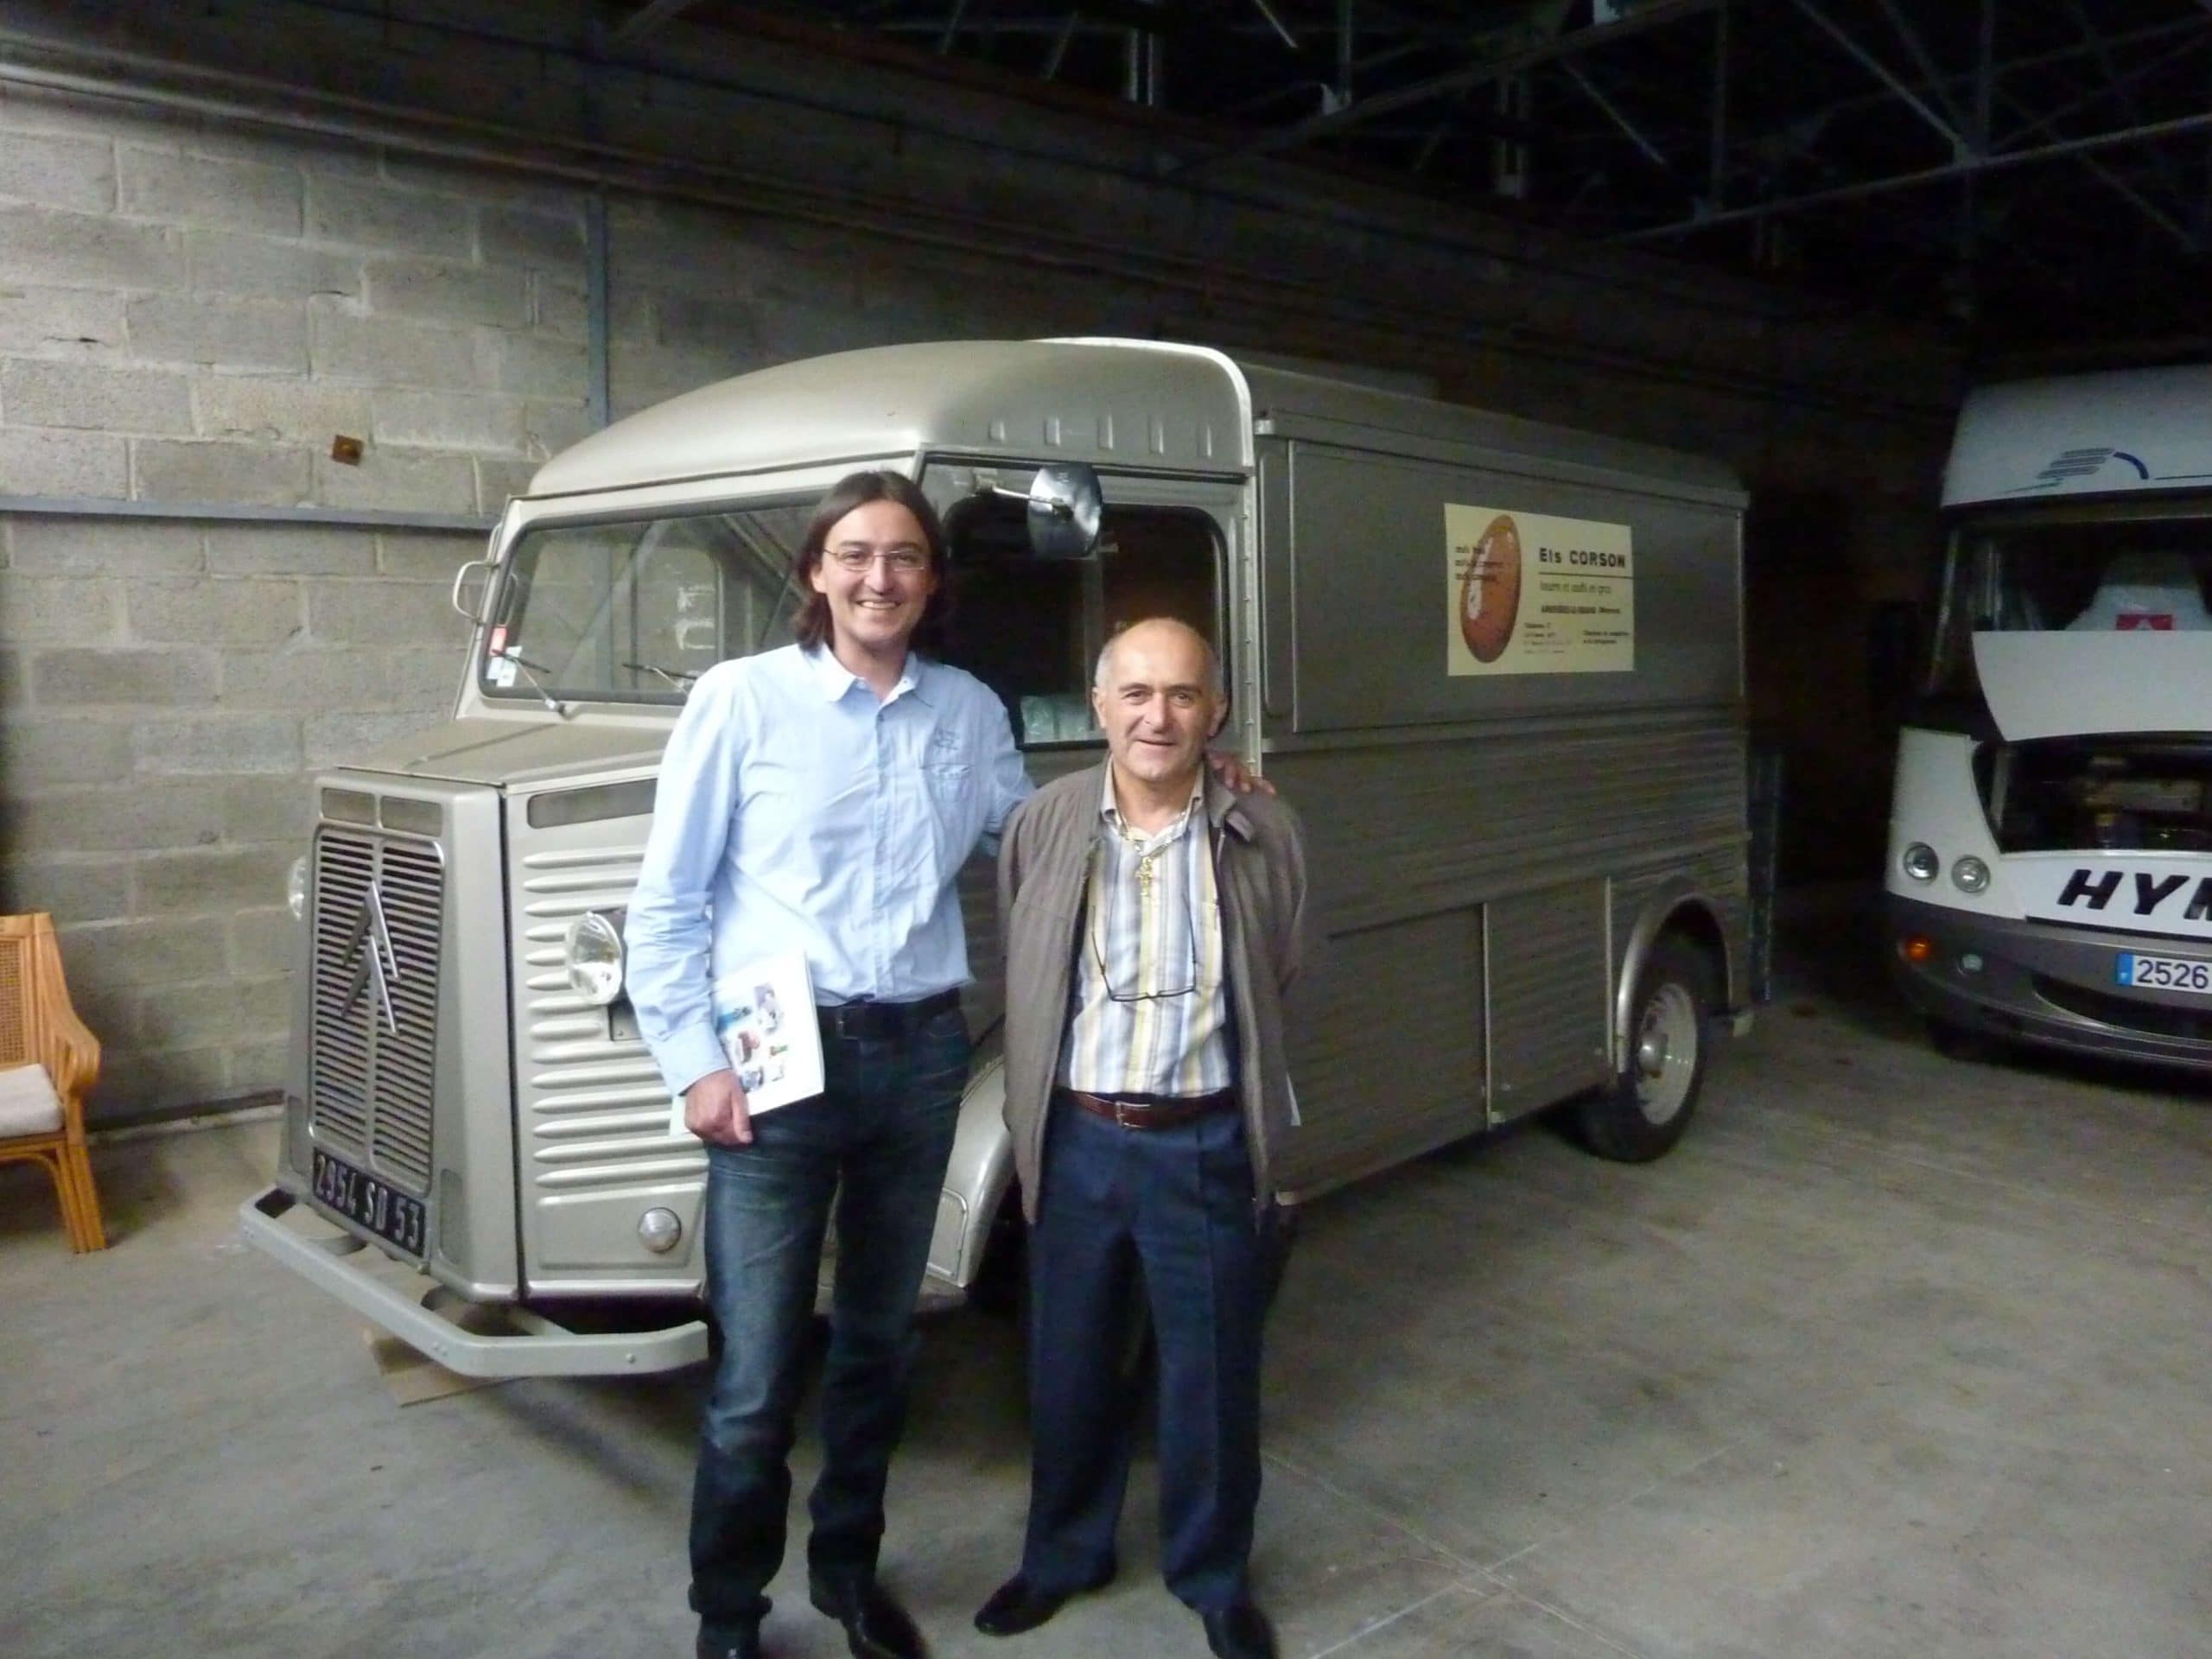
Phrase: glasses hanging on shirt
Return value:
(1191, 927)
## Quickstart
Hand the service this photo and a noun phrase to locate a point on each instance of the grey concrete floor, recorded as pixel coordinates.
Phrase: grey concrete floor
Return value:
(1894, 1355)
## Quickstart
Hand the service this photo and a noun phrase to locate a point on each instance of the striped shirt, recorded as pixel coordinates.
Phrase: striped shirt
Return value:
(1149, 1009)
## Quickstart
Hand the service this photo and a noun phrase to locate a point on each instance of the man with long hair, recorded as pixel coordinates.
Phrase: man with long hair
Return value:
(823, 796)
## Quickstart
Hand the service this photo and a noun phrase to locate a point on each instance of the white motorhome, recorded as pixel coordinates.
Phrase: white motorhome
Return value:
(1497, 664)
(2050, 871)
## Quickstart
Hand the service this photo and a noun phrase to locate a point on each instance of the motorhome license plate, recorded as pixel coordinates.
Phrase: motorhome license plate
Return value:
(2164, 974)
(391, 1216)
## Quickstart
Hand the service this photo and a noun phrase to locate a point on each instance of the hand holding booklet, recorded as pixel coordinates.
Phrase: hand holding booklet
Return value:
(764, 1019)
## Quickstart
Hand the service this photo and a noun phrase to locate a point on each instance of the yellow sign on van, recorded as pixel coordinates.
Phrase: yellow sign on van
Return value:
(1530, 594)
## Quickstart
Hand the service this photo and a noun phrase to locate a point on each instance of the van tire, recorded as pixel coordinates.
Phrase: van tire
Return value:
(1646, 1108)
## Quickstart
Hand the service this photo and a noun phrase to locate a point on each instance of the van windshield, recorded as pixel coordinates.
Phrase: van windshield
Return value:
(635, 610)
(2103, 575)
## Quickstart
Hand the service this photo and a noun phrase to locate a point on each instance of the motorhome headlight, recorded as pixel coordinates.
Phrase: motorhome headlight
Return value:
(295, 888)
(1920, 862)
(1970, 874)
(592, 955)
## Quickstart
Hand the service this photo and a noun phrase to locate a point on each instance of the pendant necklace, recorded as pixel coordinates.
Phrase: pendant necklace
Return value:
(1145, 858)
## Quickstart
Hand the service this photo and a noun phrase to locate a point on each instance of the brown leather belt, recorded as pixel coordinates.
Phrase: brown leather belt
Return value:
(1151, 1111)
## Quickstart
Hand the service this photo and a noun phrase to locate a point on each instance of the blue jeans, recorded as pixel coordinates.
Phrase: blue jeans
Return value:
(876, 1141)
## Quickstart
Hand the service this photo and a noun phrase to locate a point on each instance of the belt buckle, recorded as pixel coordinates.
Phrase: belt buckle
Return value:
(1124, 1118)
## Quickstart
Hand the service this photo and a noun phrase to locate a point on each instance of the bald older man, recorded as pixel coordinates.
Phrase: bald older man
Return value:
(1152, 924)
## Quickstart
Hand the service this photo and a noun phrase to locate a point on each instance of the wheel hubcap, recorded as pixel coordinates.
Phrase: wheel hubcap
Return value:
(1666, 1053)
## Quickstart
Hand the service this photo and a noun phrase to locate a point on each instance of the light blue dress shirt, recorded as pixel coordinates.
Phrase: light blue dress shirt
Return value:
(796, 810)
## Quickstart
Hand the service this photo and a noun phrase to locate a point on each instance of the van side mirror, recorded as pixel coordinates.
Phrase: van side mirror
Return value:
(472, 583)
(1065, 504)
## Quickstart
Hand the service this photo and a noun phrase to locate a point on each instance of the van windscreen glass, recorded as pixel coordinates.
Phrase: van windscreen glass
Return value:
(1030, 629)
(635, 610)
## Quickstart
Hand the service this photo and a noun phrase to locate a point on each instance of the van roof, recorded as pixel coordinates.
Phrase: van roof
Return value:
(1116, 403)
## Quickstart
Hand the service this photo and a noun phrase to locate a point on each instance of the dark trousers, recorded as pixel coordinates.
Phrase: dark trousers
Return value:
(877, 1140)
(1173, 1207)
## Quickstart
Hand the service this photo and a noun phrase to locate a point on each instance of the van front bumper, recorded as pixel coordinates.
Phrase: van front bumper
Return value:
(2041, 983)
(533, 1345)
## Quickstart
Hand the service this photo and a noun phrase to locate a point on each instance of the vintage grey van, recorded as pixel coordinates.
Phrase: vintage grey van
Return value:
(1497, 665)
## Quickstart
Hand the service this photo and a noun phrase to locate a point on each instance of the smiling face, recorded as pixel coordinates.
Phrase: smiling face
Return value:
(875, 605)
(1157, 700)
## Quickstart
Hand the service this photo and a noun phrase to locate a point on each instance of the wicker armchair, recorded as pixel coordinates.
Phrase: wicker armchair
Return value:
(48, 1060)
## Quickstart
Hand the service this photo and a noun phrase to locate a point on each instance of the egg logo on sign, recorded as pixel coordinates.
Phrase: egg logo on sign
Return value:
(1489, 592)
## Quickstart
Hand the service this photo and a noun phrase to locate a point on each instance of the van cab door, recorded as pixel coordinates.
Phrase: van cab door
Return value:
(1031, 629)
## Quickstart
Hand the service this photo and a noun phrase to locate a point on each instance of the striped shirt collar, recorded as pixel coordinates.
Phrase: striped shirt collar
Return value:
(1110, 810)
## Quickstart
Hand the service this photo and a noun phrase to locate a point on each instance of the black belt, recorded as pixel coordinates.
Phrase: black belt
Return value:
(1151, 1111)
(866, 1021)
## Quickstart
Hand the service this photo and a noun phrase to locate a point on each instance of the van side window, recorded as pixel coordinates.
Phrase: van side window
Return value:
(1032, 630)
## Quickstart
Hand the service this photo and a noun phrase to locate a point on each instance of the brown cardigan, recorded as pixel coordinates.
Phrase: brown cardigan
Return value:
(1043, 861)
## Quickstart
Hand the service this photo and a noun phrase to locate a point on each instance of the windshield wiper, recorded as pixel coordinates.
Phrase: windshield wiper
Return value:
(682, 679)
(531, 671)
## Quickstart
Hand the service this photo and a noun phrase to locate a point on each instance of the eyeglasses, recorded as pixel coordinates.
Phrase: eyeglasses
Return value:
(1098, 955)
(857, 560)
(1193, 899)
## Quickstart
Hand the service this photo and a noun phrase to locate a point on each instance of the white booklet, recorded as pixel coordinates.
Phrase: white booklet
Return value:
(764, 1018)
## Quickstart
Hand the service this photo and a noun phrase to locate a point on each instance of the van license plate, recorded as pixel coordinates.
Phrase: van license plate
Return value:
(391, 1216)
(2164, 974)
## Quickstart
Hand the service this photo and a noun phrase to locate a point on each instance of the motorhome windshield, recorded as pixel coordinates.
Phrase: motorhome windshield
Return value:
(2078, 575)
(635, 610)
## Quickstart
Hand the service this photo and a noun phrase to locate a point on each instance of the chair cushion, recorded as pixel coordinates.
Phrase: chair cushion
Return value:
(28, 1102)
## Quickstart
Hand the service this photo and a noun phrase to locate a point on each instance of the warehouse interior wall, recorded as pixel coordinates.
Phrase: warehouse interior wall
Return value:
(233, 234)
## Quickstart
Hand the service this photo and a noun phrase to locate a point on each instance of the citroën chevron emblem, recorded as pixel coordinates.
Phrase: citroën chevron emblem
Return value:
(374, 963)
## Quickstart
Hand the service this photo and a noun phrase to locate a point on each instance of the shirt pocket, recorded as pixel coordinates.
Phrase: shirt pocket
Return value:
(949, 783)
(955, 812)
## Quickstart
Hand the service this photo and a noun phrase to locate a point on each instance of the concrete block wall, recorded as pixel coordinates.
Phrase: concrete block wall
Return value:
(170, 686)
(189, 314)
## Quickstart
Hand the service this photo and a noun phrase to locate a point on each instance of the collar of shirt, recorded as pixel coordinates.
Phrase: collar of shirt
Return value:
(1110, 810)
(837, 680)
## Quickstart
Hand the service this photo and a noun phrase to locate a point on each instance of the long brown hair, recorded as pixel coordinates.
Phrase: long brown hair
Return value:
(811, 627)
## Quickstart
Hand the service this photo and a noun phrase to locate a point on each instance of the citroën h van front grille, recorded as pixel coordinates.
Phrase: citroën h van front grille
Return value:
(596, 1109)
(373, 998)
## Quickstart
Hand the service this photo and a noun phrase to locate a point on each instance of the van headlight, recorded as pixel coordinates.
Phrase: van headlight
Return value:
(591, 954)
(1920, 862)
(295, 888)
(1970, 874)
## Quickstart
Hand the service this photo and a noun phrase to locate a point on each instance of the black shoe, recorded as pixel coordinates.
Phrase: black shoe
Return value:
(1239, 1632)
(746, 1644)
(1015, 1607)
(876, 1627)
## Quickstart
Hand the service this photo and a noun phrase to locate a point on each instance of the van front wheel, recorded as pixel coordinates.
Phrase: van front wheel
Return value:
(1645, 1112)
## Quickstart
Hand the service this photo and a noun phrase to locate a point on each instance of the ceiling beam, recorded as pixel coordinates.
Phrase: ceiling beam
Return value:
(1883, 72)
(1658, 15)
(648, 18)
(1966, 167)
(1606, 107)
